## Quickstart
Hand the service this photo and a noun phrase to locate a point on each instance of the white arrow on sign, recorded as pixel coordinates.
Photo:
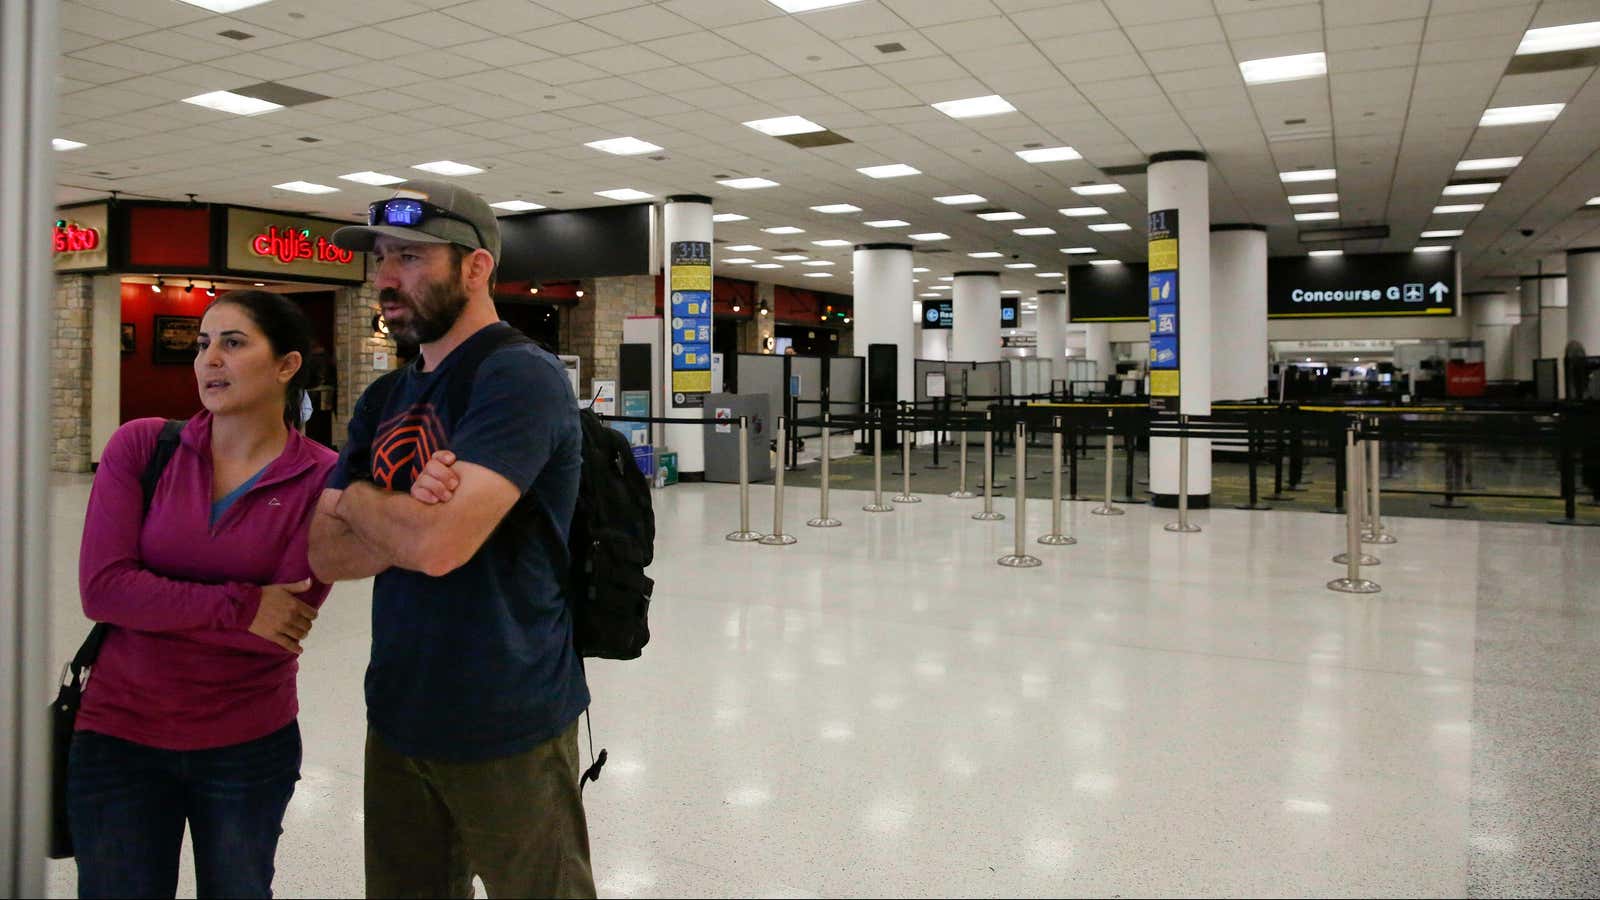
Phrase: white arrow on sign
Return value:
(1438, 291)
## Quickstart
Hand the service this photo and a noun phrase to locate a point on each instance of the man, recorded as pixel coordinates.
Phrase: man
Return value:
(473, 689)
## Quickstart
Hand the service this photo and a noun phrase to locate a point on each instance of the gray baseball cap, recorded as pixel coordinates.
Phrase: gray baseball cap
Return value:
(473, 224)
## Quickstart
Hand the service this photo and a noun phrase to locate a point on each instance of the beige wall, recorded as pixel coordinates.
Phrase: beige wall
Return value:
(72, 374)
(356, 351)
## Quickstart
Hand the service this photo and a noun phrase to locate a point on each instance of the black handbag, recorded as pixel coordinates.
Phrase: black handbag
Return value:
(64, 711)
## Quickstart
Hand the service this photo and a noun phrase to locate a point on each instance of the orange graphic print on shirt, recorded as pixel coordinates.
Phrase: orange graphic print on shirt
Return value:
(404, 445)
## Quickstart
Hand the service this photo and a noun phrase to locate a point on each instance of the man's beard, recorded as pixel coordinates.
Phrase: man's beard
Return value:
(430, 316)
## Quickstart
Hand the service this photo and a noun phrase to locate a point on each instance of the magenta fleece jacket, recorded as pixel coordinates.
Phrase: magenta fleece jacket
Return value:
(180, 670)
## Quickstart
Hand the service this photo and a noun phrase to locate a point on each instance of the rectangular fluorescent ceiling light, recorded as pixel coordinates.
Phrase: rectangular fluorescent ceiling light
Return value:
(1488, 163)
(791, 257)
(1009, 293)
(819, 274)
(1442, 233)
(748, 184)
(1001, 216)
(1463, 190)
(447, 167)
(929, 236)
(623, 146)
(1078, 212)
(784, 229)
(986, 254)
(974, 107)
(833, 209)
(1326, 253)
(64, 144)
(1520, 115)
(1458, 208)
(516, 206)
(816, 262)
(886, 223)
(1094, 190)
(306, 187)
(1316, 217)
(729, 217)
(1079, 250)
(939, 287)
(376, 179)
(783, 126)
(229, 102)
(1308, 175)
(1431, 248)
(1105, 262)
(1274, 69)
(1559, 37)
(1047, 274)
(1593, 201)
(960, 199)
(1049, 154)
(766, 266)
(1032, 232)
(929, 296)
(1313, 198)
(893, 170)
(623, 194)
(832, 242)
(738, 260)
(919, 269)
(1111, 226)
(1021, 266)
(744, 248)
(947, 278)
(224, 6)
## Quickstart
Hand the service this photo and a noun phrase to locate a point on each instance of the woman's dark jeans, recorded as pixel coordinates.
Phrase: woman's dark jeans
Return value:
(128, 804)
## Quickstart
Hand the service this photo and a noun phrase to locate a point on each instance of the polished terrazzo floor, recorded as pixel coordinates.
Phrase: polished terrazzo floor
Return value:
(881, 710)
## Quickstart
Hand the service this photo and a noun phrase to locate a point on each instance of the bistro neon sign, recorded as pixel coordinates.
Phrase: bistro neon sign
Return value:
(70, 237)
(290, 245)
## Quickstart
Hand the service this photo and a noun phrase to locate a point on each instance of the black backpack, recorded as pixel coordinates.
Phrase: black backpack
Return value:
(612, 538)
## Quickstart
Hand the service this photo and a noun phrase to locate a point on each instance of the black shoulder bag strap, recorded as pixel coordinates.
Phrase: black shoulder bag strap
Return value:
(166, 446)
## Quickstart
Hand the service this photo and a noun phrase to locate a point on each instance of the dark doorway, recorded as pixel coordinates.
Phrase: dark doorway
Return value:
(323, 385)
(539, 321)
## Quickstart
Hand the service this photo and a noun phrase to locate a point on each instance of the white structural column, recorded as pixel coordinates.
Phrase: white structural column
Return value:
(1525, 334)
(976, 331)
(1179, 181)
(1050, 321)
(883, 308)
(1239, 311)
(105, 393)
(1583, 298)
(1097, 348)
(29, 32)
(685, 217)
(934, 343)
(1552, 294)
(1493, 315)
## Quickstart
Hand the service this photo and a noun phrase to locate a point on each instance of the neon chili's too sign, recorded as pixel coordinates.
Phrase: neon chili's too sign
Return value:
(291, 245)
(70, 237)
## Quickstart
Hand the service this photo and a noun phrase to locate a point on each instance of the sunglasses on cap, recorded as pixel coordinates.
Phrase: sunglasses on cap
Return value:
(408, 212)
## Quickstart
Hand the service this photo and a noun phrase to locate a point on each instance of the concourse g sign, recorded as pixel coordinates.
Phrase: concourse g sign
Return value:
(1374, 284)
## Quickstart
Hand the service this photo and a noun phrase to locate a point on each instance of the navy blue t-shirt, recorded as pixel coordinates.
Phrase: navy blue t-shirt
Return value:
(478, 663)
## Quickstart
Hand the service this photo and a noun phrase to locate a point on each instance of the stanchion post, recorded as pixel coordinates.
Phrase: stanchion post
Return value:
(778, 538)
(823, 520)
(905, 495)
(961, 492)
(1355, 495)
(1352, 582)
(988, 514)
(1020, 558)
(744, 534)
(1374, 532)
(877, 504)
(1108, 508)
(1183, 526)
(1055, 538)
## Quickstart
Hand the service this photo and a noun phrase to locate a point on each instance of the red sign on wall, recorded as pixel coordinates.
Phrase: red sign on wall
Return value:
(1464, 379)
(287, 245)
(70, 237)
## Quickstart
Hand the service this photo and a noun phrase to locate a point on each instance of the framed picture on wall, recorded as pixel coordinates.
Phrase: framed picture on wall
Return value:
(175, 339)
(127, 337)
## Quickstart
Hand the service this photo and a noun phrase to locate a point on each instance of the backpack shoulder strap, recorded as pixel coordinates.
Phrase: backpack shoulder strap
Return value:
(465, 370)
(166, 445)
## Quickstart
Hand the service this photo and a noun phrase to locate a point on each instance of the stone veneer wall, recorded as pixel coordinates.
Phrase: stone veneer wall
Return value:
(72, 374)
(596, 323)
(352, 332)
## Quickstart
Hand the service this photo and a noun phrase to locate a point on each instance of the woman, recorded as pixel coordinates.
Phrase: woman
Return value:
(189, 716)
